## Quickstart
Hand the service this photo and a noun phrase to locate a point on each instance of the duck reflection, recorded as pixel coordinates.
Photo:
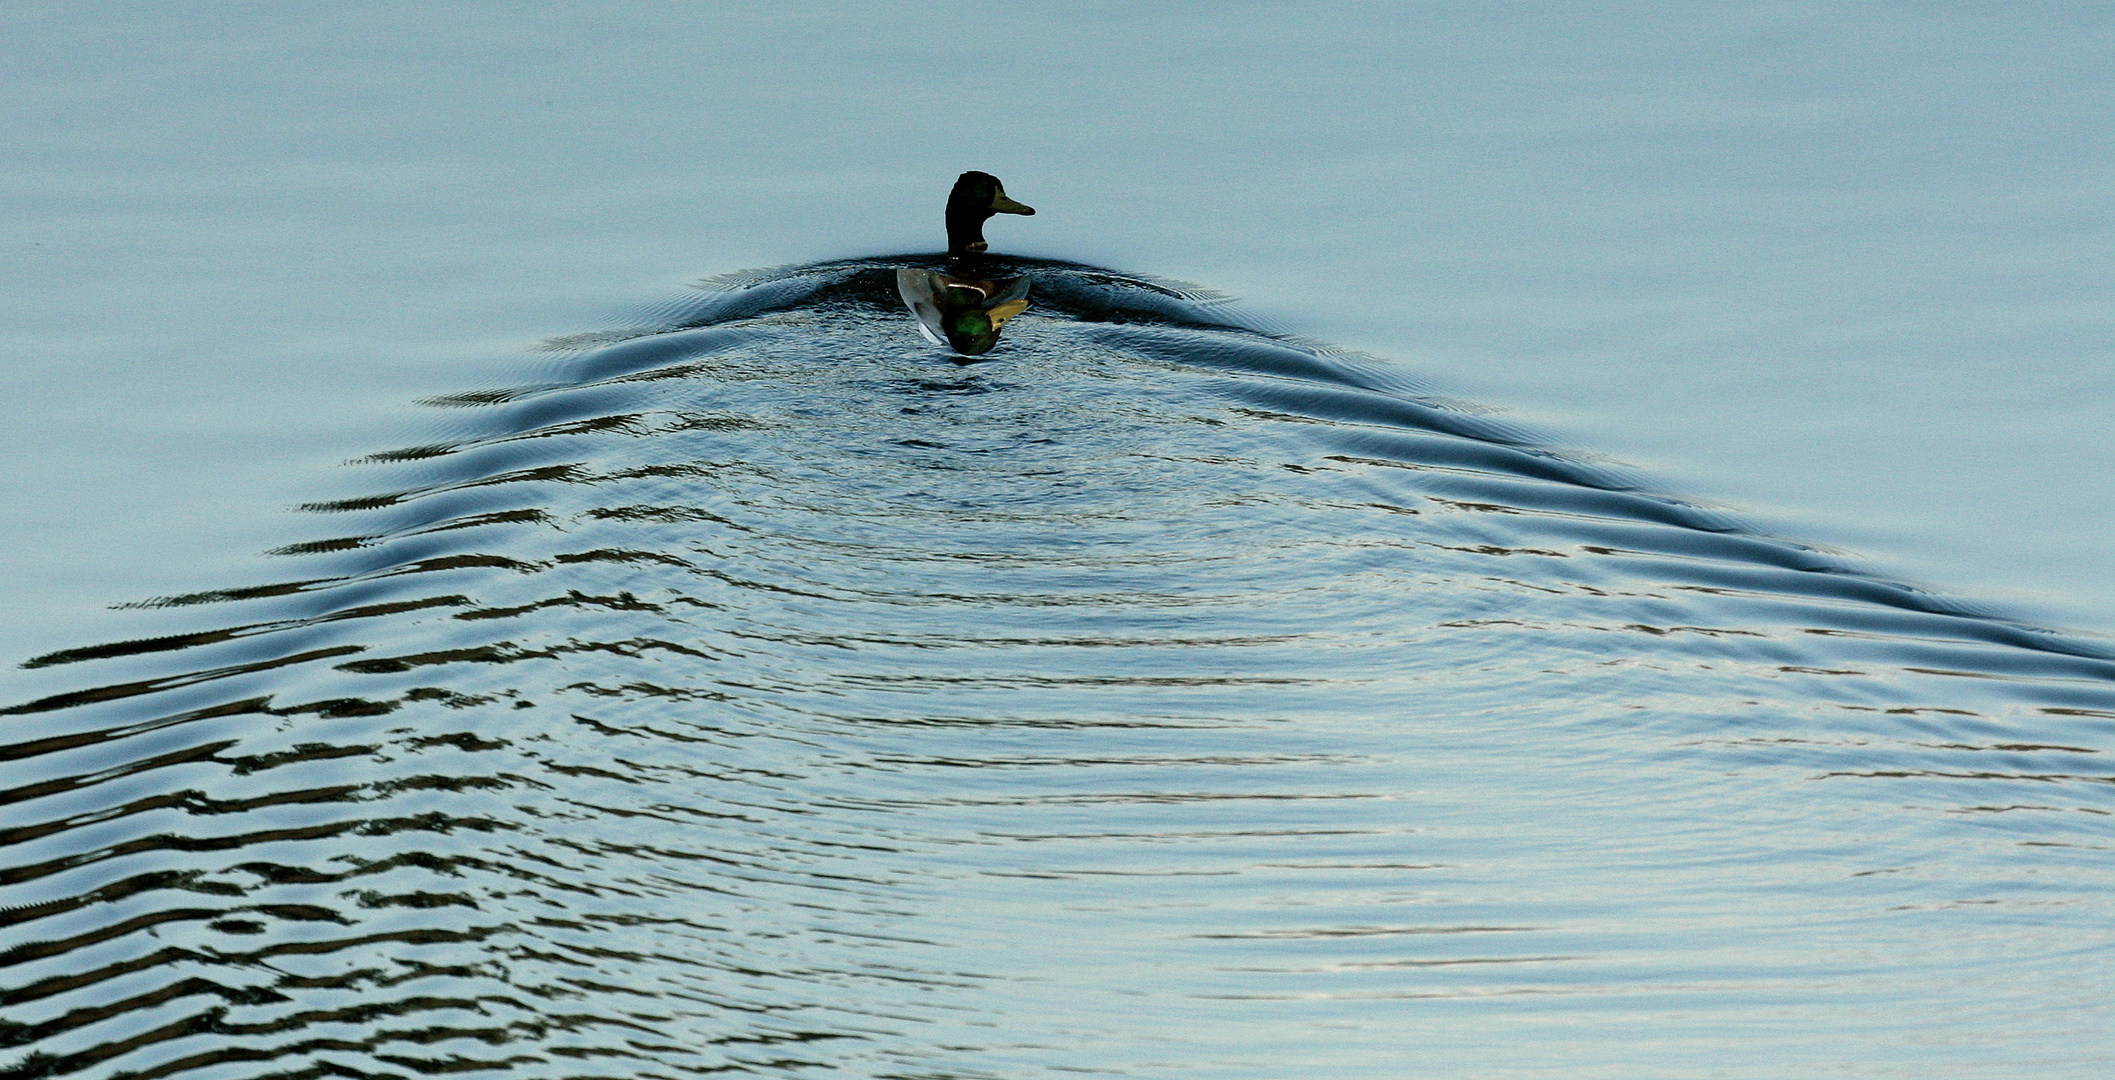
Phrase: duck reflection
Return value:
(965, 309)
(964, 314)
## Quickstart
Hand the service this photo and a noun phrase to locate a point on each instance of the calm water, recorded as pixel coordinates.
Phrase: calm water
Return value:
(757, 690)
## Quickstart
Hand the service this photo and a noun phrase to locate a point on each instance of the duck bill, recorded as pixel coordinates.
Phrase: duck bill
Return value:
(998, 314)
(1003, 205)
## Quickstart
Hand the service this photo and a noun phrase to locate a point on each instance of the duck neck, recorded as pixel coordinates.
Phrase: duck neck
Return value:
(965, 231)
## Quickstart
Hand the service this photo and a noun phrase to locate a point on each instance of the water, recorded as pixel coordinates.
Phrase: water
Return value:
(757, 689)
(1160, 697)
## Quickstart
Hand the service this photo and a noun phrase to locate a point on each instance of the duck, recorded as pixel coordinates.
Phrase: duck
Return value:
(965, 309)
(976, 197)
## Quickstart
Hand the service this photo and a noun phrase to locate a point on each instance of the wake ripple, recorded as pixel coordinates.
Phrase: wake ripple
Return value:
(764, 693)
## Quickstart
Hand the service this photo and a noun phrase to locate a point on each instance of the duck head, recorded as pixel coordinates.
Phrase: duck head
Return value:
(977, 196)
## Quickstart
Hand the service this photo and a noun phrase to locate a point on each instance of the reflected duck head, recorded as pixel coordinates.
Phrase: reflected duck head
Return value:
(977, 196)
(964, 314)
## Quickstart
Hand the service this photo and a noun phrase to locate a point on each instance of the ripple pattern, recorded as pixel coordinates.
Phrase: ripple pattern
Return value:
(758, 692)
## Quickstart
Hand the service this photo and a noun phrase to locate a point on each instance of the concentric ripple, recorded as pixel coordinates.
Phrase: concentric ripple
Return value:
(766, 694)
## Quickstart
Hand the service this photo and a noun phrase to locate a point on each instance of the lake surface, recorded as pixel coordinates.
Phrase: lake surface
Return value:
(653, 680)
